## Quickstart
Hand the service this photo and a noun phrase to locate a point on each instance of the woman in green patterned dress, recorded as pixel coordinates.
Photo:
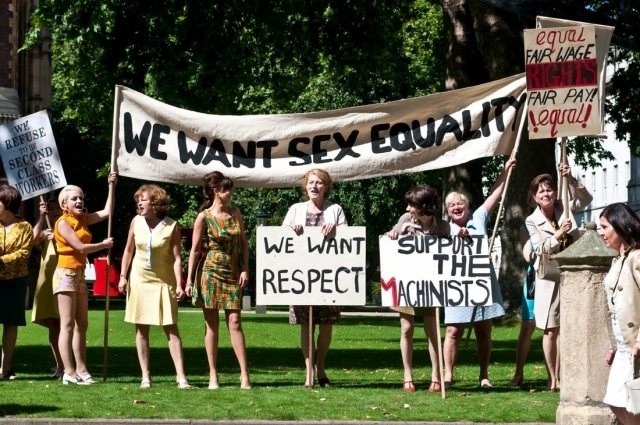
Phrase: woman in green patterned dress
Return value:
(225, 271)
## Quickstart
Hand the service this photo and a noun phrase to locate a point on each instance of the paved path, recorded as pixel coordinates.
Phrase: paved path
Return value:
(15, 421)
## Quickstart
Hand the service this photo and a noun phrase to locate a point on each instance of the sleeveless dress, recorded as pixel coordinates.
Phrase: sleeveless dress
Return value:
(45, 305)
(217, 287)
(151, 298)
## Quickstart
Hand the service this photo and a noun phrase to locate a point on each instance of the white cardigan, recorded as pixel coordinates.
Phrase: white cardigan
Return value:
(297, 214)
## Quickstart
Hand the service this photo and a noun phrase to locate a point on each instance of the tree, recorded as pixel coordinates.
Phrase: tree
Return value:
(485, 43)
(248, 57)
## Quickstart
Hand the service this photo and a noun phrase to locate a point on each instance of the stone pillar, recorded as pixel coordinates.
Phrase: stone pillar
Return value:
(584, 340)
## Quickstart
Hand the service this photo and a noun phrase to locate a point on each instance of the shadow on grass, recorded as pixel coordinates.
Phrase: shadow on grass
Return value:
(17, 409)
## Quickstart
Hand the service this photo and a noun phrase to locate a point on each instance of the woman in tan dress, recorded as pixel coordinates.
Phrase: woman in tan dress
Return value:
(45, 308)
(156, 273)
(550, 233)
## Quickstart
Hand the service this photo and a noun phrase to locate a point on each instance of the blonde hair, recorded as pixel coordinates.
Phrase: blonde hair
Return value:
(456, 195)
(62, 197)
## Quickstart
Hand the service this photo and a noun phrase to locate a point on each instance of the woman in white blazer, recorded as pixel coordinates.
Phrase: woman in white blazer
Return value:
(550, 233)
(316, 211)
(620, 229)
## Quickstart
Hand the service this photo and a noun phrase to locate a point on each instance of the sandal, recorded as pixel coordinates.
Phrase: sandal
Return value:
(85, 378)
(517, 381)
(408, 387)
(146, 383)
(183, 384)
(324, 382)
(435, 387)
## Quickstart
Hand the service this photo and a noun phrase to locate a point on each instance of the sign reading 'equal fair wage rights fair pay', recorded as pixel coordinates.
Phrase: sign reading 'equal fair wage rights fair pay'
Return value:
(435, 271)
(310, 269)
(30, 156)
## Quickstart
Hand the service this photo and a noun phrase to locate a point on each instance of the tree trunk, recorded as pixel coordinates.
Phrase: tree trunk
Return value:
(485, 44)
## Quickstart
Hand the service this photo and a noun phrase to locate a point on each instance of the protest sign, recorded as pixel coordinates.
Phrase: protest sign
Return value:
(30, 156)
(159, 142)
(563, 81)
(310, 269)
(435, 271)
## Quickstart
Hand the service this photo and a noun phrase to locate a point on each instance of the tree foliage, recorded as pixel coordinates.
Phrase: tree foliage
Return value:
(237, 57)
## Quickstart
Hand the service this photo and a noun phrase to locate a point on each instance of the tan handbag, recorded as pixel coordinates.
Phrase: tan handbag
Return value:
(548, 269)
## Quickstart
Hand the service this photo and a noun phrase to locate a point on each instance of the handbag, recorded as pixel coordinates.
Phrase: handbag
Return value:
(530, 277)
(89, 272)
(547, 268)
(633, 390)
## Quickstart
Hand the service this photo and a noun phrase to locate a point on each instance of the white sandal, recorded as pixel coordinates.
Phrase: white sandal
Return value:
(146, 383)
(86, 378)
(183, 384)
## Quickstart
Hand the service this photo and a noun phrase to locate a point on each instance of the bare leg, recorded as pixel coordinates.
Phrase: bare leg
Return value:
(80, 333)
(483, 337)
(624, 417)
(431, 331)
(527, 327)
(550, 349)
(234, 325)
(175, 348)
(9, 338)
(304, 342)
(67, 309)
(406, 346)
(455, 332)
(324, 342)
(212, 323)
(142, 345)
(54, 335)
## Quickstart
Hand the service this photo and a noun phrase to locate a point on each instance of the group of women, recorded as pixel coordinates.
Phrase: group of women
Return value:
(219, 264)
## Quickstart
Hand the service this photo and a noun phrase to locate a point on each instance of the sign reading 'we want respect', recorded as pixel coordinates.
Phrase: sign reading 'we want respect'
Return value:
(310, 269)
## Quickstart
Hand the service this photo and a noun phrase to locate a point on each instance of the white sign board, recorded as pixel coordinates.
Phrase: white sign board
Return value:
(435, 271)
(562, 82)
(30, 156)
(310, 269)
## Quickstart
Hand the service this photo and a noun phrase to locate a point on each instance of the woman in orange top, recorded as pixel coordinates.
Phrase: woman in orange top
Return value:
(73, 240)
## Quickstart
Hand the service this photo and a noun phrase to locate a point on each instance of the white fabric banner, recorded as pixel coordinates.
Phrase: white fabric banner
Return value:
(158, 142)
(30, 155)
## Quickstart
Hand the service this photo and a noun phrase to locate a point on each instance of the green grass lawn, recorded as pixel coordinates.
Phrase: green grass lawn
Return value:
(364, 366)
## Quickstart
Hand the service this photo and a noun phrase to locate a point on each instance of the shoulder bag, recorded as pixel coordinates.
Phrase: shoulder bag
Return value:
(633, 389)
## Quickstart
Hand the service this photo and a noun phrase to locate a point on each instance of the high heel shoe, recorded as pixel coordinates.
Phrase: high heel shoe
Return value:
(517, 381)
(85, 378)
(68, 379)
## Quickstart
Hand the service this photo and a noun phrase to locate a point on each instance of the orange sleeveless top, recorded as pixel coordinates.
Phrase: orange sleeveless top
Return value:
(67, 256)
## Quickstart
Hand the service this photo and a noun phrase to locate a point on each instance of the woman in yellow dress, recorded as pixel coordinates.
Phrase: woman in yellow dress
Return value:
(155, 280)
(45, 308)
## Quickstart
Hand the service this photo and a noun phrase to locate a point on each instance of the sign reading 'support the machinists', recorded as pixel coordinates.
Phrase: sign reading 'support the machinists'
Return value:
(310, 269)
(435, 271)
(30, 156)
